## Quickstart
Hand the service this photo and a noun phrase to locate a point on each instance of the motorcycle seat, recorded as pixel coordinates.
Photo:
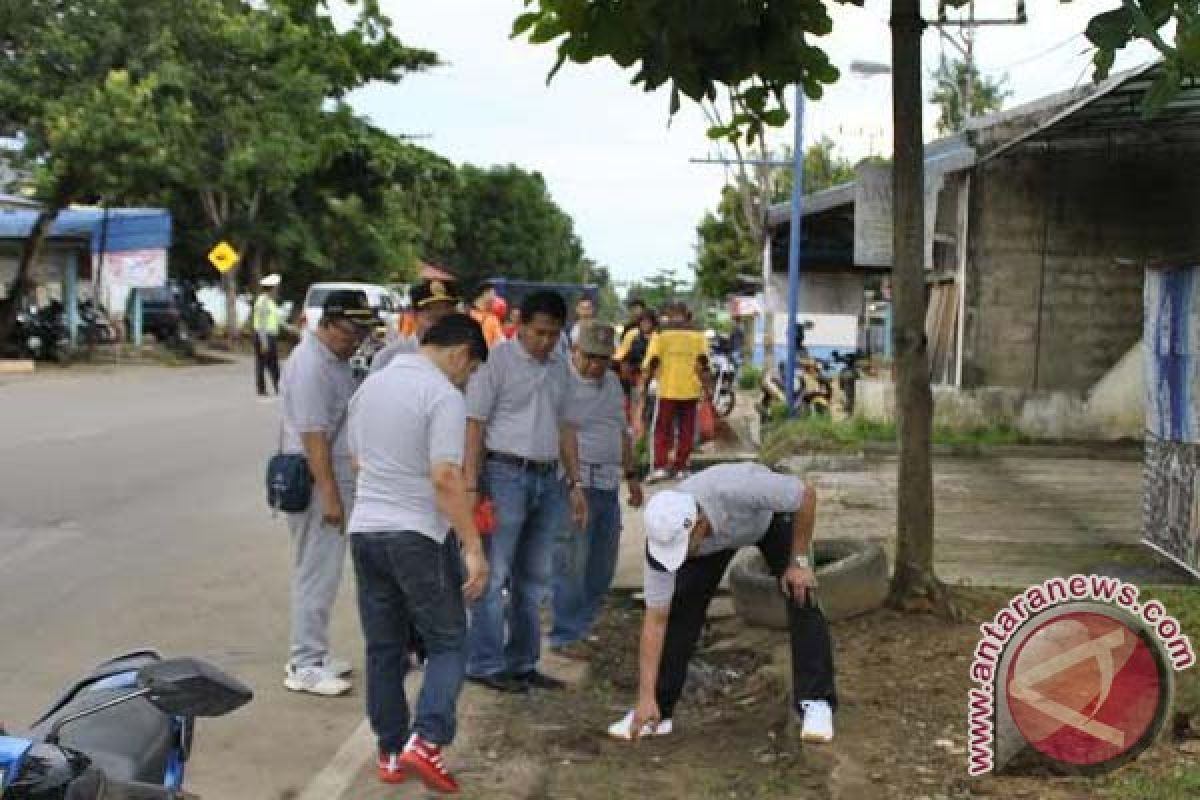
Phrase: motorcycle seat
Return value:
(131, 742)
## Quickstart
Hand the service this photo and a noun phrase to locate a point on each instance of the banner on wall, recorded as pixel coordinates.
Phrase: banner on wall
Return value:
(131, 269)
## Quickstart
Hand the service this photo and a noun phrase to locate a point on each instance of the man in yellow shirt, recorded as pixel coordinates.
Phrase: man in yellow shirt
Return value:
(268, 319)
(678, 358)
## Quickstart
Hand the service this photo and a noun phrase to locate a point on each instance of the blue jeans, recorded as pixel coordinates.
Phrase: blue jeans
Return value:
(584, 564)
(505, 636)
(407, 580)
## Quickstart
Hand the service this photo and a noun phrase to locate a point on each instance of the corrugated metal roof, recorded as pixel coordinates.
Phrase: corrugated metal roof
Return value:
(127, 228)
(1115, 107)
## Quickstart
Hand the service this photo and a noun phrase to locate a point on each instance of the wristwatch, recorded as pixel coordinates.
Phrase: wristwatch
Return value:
(631, 474)
(802, 561)
(573, 484)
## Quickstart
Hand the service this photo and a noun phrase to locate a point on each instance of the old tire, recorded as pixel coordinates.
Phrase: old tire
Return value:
(853, 577)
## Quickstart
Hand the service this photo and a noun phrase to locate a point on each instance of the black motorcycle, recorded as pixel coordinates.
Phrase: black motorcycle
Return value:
(40, 334)
(125, 732)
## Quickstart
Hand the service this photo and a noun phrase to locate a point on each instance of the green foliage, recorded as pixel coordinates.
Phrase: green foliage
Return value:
(730, 239)
(757, 48)
(506, 223)
(728, 247)
(750, 378)
(1146, 20)
(661, 287)
(961, 92)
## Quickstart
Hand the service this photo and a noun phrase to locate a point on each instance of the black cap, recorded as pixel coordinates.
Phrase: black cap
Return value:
(349, 304)
(426, 293)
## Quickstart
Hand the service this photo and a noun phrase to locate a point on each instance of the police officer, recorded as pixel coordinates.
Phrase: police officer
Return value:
(267, 322)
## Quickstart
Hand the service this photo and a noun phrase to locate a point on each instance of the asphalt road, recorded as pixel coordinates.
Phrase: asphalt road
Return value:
(132, 515)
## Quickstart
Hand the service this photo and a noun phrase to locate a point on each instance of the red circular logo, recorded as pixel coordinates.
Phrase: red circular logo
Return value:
(1085, 688)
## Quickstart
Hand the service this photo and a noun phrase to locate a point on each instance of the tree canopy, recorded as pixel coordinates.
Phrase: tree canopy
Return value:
(961, 92)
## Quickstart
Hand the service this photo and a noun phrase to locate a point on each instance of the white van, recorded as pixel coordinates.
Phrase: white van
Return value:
(381, 298)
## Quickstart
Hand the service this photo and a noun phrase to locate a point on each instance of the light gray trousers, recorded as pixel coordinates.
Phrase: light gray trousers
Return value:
(318, 557)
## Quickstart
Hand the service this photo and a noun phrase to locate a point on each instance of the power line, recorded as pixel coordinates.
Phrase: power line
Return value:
(1043, 53)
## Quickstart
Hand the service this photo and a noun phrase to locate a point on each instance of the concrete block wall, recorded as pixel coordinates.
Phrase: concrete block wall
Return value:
(1049, 305)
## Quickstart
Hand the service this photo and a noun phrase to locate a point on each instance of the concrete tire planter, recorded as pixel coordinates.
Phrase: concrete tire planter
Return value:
(852, 574)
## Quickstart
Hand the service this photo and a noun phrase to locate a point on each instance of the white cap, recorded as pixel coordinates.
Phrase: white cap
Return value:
(669, 517)
(271, 280)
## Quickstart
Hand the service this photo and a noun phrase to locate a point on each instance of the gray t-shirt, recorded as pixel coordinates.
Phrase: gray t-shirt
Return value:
(401, 345)
(315, 391)
(597, 410)
(739, 501)
(521, 401)
(404, 420)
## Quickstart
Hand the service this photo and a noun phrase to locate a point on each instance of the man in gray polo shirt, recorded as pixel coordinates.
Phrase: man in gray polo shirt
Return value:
(692, 533)
(586, 558)
(315, 391)
(520, 443)
(407, 433)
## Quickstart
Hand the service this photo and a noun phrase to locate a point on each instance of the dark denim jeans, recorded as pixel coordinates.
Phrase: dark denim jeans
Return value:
(407, 580)
(505, 635)
(584, 563)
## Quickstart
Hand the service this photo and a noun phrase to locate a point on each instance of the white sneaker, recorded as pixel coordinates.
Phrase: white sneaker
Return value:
(338, 666)
(316, 680)
(623, 728)
(818, 722)
(658, 476)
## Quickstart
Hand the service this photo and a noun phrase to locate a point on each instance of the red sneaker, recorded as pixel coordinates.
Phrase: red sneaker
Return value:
(391, 769)
(424, 759)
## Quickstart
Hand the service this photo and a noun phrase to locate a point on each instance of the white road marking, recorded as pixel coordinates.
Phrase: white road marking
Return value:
(339, 774)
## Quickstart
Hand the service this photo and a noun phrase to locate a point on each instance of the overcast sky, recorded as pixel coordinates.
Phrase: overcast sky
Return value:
(606, 149)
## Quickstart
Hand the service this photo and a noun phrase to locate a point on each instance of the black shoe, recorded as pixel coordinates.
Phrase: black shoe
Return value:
(539, 680)
(500, 683)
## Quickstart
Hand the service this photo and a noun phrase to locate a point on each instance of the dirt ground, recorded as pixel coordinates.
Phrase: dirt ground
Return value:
(903, 682)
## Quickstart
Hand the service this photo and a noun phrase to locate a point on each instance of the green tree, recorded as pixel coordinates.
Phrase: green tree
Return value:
(505, 223)
(91, 115)
(730, 239)
(268, 84)
(756, 49)
(961, 92)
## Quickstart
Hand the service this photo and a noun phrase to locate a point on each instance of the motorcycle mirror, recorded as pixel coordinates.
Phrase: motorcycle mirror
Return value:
(189, 687)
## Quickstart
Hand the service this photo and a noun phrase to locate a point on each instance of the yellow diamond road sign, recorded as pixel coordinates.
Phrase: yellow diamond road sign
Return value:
(224, 257)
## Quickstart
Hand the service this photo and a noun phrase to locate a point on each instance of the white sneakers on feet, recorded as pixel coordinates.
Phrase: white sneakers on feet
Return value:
(623, 728)
(317, 680)
(818, 721)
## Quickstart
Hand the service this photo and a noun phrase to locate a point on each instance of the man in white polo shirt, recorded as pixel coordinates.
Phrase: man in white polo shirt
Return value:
(407, 432)
(692, 533)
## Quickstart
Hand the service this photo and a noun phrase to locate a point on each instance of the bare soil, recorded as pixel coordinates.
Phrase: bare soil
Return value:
(902, 680)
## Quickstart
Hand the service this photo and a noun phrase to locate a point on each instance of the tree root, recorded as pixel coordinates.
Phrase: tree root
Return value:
(920, 592)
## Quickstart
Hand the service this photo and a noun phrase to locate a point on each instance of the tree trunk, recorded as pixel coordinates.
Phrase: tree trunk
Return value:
(914, 585)
(30, 251)
(229, 283)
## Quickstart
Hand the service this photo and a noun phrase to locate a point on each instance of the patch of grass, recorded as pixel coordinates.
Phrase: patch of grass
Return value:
(784, 437)
(1180, 783)
(750, 377)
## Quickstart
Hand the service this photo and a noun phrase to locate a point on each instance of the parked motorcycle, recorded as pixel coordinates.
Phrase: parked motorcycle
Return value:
(813, 388)
(848, 376)
(724, 368)
(94, 325)
(40, 334)
(125, 732)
